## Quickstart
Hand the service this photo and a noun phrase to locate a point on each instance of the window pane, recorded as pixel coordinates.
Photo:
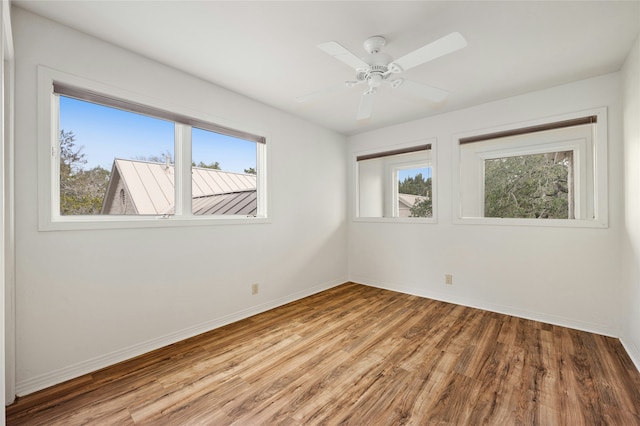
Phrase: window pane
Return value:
(536, 186)
(371, 188)
(113, 161)
(414, 192)
(224, 174)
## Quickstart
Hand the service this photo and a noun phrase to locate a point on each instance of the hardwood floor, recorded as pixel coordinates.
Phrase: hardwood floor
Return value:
(363, 356)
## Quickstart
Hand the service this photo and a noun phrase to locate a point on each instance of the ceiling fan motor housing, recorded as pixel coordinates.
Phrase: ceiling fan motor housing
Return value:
(378, 62)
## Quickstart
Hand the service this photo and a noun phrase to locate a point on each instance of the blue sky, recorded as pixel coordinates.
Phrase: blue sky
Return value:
(403, 174)
(106, 133)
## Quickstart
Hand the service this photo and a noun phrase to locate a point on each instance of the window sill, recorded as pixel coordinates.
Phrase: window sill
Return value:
(78, 223)
(409, 220)
(557, 223)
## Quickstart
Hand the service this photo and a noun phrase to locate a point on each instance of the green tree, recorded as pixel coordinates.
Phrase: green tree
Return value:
(415, 185)
(422, 208)
(528, 186)
(71, 157)
(81, 191)
(250, 171)
(418, 185)
(214, 165)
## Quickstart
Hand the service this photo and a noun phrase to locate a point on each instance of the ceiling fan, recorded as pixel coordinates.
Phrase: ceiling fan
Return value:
(377, 68)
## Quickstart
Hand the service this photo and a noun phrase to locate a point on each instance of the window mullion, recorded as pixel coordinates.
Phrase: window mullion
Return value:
(395, 211)
(55, 156)
(261, 180)
(183, 170)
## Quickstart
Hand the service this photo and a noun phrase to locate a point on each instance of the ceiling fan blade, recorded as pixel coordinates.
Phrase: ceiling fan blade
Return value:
(341, 53)
(422, 90)
(366, 105)
(445, 45)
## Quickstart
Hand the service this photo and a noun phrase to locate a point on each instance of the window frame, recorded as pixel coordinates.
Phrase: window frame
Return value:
(586, 168)
(49, 218)
(391, 183)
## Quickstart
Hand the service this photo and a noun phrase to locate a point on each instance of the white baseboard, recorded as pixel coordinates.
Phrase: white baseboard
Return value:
(507, 310)
(43, 381)
(633, 350)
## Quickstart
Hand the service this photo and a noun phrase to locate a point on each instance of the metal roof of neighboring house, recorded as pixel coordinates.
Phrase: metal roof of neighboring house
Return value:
(408, 200)
(150, 187)
(241, 203)
(207, 182)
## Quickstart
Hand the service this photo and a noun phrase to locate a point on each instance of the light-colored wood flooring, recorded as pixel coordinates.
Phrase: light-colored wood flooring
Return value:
(363, 356)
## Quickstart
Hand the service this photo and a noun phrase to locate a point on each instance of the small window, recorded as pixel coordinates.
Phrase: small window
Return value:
(396, 184)
(550, 173)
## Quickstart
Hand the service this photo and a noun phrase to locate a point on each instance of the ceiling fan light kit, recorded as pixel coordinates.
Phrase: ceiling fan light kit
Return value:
(376, 67)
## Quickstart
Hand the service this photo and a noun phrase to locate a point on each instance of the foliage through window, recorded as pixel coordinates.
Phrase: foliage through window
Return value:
(529, 186)
(81, 190)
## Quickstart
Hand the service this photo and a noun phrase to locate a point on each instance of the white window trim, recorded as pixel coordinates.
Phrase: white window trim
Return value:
(391, 172)
(600, 174)
(49, 218)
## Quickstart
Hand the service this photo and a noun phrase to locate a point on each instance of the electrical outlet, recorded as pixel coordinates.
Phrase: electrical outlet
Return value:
(254, 288)
(448, 279)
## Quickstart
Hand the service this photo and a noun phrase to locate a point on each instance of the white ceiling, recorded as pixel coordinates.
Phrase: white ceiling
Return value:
(267, 50)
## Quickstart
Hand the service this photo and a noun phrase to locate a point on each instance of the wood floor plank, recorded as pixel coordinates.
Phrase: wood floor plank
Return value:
(302, 392)
(358, 355)
(450, 403)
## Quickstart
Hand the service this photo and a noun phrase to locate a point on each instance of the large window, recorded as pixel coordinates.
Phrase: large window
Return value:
(552, 173)
(116, 160)
(396, 184)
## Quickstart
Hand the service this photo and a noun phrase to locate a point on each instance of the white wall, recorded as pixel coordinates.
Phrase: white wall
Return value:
(567, 276)
(631, 240)
(85, 299)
